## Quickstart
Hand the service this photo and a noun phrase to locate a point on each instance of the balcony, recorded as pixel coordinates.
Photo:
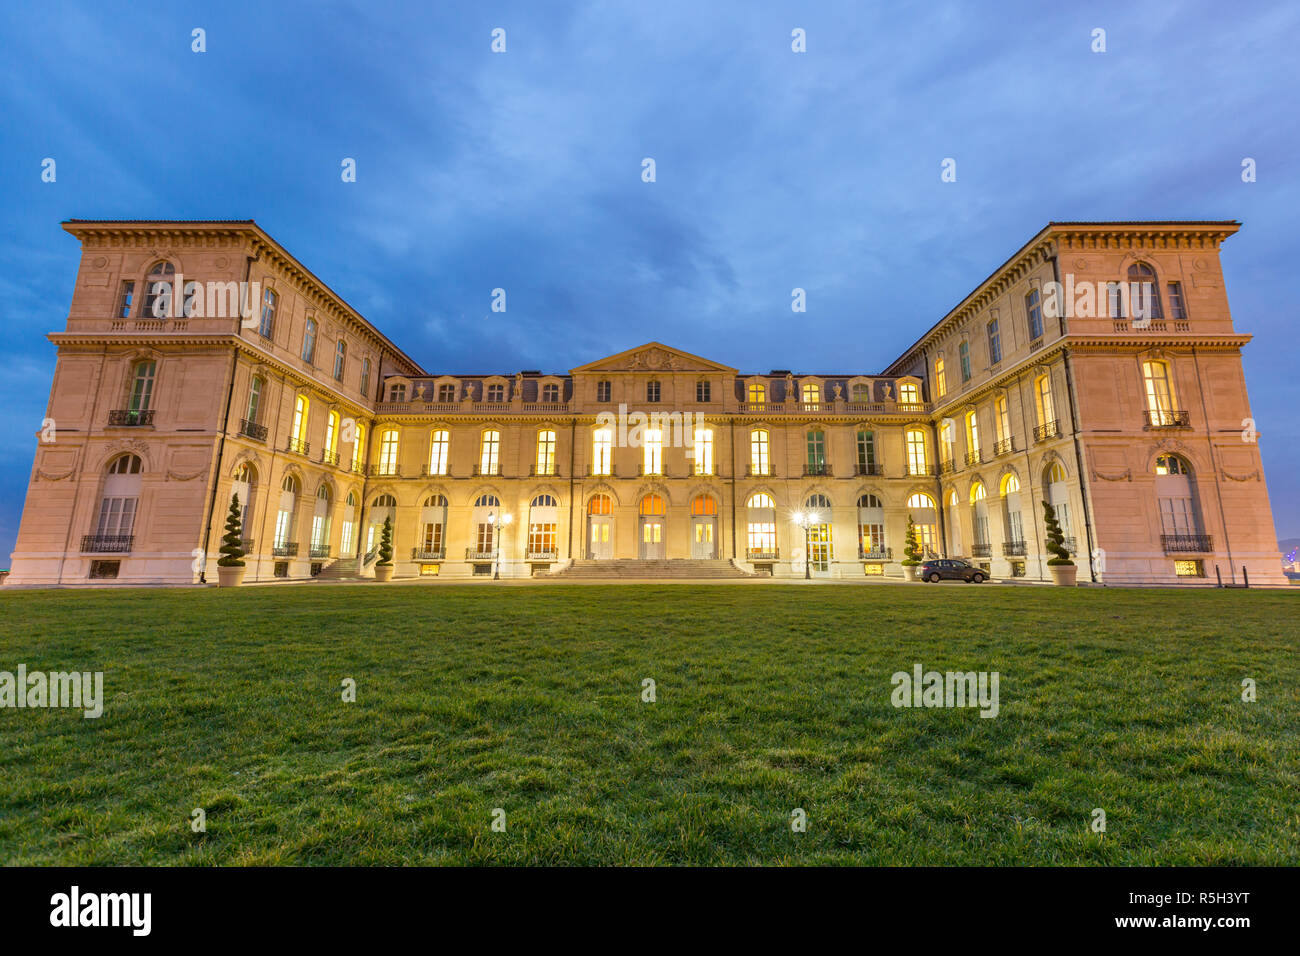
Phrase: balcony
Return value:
(330, 458)
(130, 418)
(1068, 544)
(248, 545)
(285, 549)
(596, 471)
(551, 555)
(946, 467)
(651, 472)
(1013, 548)
(491, 471)
(818, 469)
(1004, 446)
(252, 430)
(473, 554)
(423, 554)
(981, 550)
(545, 471)
(1167, 418)
(920, 470)
(870, 468)
(1047, 431)
(1196, 543)
(106, 543)
(972, 458)
(773, 555)
(427, 472)
(762, 472)
(298, 446)
(550, 408)
(320, 550)
(384, 471)
(876, 554)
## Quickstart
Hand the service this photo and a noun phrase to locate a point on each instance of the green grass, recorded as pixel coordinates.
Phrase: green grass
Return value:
(769, 698)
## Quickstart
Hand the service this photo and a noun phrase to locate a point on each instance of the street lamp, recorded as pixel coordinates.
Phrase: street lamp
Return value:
(805, 520)
(496, 542)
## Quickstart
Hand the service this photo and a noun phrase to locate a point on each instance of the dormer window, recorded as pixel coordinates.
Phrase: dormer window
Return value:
(397, 393)
(551, 394)
(446, 392)
(496, 393)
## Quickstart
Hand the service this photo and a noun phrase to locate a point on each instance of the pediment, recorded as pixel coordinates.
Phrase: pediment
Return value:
(654, 357)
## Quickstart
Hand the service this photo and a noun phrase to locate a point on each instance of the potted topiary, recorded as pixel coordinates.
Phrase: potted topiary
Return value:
(384, 566)
(1062, 568)
(912, 563)
(230, 566)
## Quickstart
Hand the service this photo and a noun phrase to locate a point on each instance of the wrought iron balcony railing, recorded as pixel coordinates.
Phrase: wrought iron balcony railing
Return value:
(652, 472)
(1047, 430)
(424, 554)
(1167, 418)
(1013, 547)
(550, 555)
(1004, 446)
(594, 471)
(126, 417)
(817, 469)
(473, 554)
(758, 472)
(920, 470)
(320, 551)
(946, 467)
(870, 468)
(1068, 544)
(544, 471)
(981, 550)
(298, 446)
(773, 555)
(106, 543)
(876, 554)
(491, 471)
(972, 458)
(329, 458)
(252, 430)
(285, 549)
(383, 471)
(1200, 543)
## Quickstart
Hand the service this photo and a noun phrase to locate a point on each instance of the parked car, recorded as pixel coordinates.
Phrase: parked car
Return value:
(951, 569)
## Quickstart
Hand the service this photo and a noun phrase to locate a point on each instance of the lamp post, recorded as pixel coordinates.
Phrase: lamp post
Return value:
(805, 520)
(496, 541)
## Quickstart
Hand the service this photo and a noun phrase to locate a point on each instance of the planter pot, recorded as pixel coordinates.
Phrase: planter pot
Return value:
(912, 572)
(383, 572)
(230, 577)
(1063, 574)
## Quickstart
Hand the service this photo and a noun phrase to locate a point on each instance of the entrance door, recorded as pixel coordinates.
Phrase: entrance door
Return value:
(703, 534)
(601, 542)
(652, 538)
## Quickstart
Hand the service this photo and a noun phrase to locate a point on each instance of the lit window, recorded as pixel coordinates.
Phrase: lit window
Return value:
(1043, 400)
(388, 452)
(921, 509)
(602, 450)
(299, 429)
(489, 462)
(917, 459)
(972, 438)
(761, 537)
(1160, 399)
(1003, 419)
(871, 527)
(812, 393)
(546, 452)
(332, 437)
(309, 341)
(653, 452)
(266, 324)
(757, 393)
(704, 451)
(340, 356)
(995, 343)
(359, 448)
(1034, 310)
(759, 462)
(1190, 569)
(940, 379)
(438, 446)
(909, 393)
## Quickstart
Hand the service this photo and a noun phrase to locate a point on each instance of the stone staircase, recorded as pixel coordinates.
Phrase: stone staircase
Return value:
(667, 569)
(349, 569)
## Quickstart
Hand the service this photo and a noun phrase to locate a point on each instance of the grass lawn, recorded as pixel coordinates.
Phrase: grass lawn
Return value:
(770, 698)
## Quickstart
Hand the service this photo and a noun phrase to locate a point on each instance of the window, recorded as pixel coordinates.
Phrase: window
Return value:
(757, 393)
(496, 392)
(119, 500)
(600, 505)
(124, 298)
(485, 518)
(542, 520)
(193, 303)
(963, 353)
(1144, 292)
(142, 374)
(447, 393)
(349, 517)
(320, 522)
(602, 449)
(972, 439)
(909, 393)
(1190, 569)
(489, 462)
(1011, 513)
(1058, 495)
(759, 462)
(309, 342)
(761, 536)
(1034, 310)
(871, 527)
(980, 518)
(388, 451)
(652, 452)
(703, 451)
(340, 355)
(285, 517)
(1160, 399)
(652, 390)
(1176, 308)
(1002, 421)
(921, 510)
(603, 390)
(433, 521)
(947, 443)
(703, 391)
(816, 461)
(704, 506)
(359, 448)
(940, 379)
(1043, 400)
(438, 445)
(365, 376)
(861, 393)
(157, 302)
(546, 452)
(266, 324)
(1116, 294)
(995, 343)
(397, 392)
(332, 438)
(1178, 515)
(551, 394)
(917, 460)
(298, 432)
(866, 441)
(254, 398)
(819, 532)
(812, 393)
(652, 506)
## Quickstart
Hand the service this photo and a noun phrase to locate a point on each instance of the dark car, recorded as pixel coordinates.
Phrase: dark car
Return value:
(952, 570)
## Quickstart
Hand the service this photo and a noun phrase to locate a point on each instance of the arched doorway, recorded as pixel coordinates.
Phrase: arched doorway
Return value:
(600, 521)
(652, 528)
(704, 527)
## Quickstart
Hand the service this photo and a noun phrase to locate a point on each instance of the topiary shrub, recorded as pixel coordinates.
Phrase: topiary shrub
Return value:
(232, 542)
(1055, 538)
(913, 549)
(386, 544)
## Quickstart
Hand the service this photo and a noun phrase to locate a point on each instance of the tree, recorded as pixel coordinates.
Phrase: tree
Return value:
(386, 544)
(232, 542)
(1055, 537)
(913, 549)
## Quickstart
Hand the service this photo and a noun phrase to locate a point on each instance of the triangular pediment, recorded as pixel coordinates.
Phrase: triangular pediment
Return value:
(654, 357)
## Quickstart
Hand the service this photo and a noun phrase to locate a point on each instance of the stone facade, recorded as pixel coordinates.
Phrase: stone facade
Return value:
(1130, 416)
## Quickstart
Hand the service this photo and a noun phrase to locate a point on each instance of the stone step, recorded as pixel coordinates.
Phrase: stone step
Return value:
(669, 568)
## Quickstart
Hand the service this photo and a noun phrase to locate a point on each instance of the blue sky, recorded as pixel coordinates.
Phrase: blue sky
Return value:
(522, 170)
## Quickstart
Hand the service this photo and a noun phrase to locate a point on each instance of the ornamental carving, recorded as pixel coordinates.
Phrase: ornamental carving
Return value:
(654, 359)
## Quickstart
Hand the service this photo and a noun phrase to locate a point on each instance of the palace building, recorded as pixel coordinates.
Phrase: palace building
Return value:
(1097, 368)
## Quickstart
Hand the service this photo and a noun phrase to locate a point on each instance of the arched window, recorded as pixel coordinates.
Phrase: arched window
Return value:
(980, 520)
(266, 323)
(954, 525)
(917, 459)
(860, 393)
(812, 395)
(760, 541)
(815, 464)
(940, 378)
(602, 451)
(1015, 532)
(703, 505)
(157, 301)
(349, 519)
(432, 545)
(487, 501)
(439, 445)
(388, 439)
(972, 439)
(255, 386)
(298, 431)
(285, 543)
(818, 503)
(651, 506)
(141, 397)
(1144, 292)
(118, 503)
(871, 528)
(309, 341)
(1058, 496)
(703, 451)
(1045, 407)
(340, 356)
(760, 462)
(545, 464)
(383, 508)
(921, 509)
(244, 487)
(489, 458)
(909, 394)
(320, 523)
(543, 518)
(600, 505)
(1180, 521)
(819, 531)
(332, 438)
